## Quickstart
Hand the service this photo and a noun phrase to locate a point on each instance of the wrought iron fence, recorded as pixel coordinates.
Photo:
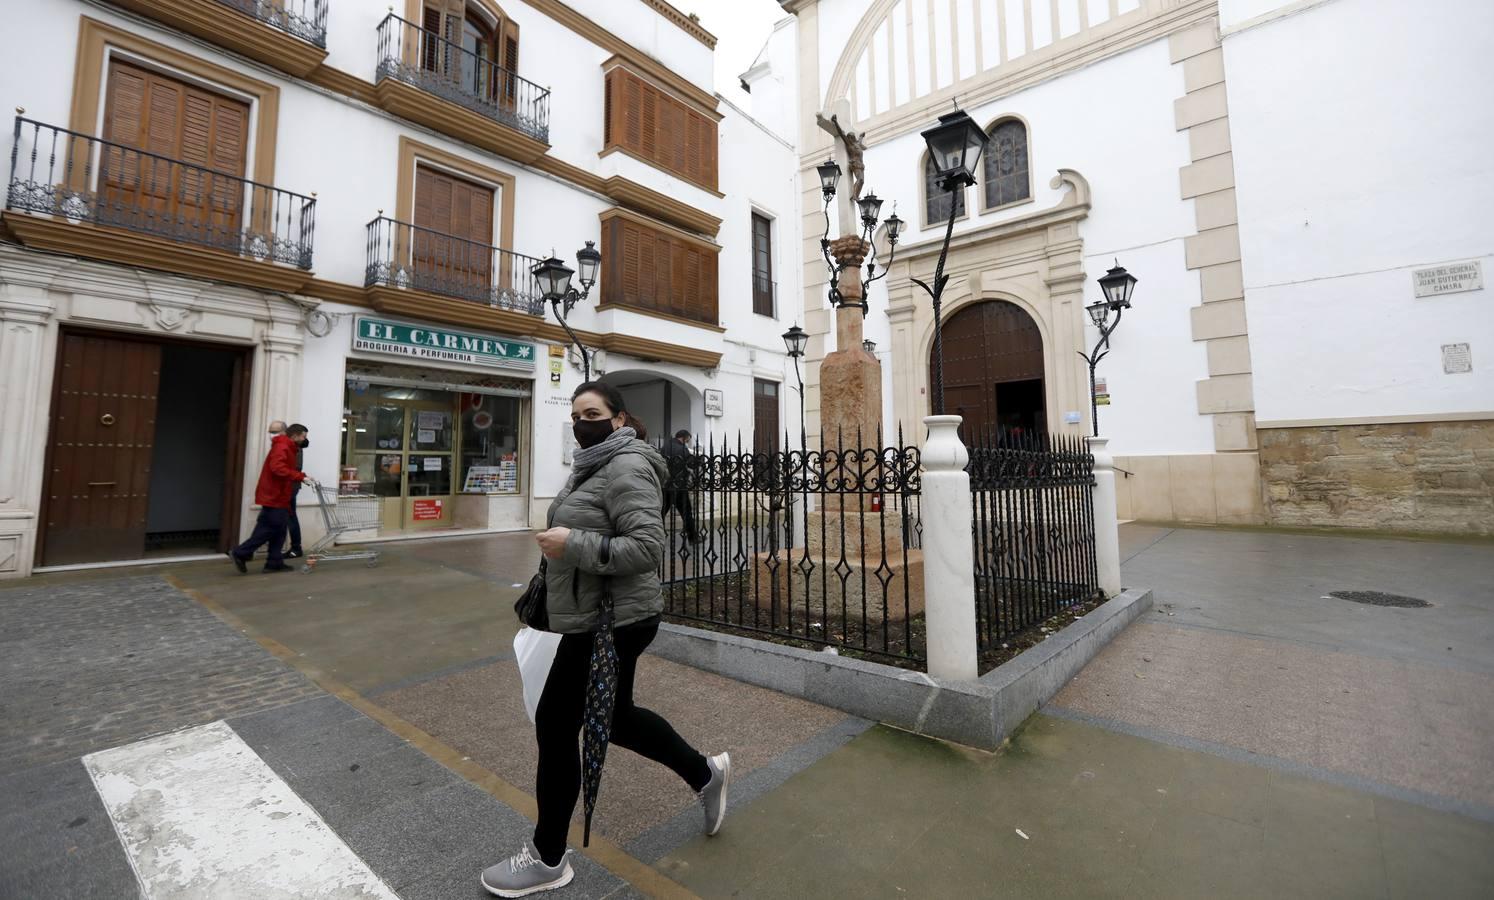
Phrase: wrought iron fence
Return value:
(305, 19)
(1033, 529)
(425, 59)
(57, 172)
(407, 256)
(820, 546)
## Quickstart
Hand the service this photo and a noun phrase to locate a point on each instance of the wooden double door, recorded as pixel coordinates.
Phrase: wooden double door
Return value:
(180, 162)
(993, 370)
(101, 448)
(453, 252)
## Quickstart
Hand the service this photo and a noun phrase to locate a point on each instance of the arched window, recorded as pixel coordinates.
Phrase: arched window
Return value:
(936, 199)
(1006, 174)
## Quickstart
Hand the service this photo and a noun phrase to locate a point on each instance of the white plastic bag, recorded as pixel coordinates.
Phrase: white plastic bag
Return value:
(535, 651)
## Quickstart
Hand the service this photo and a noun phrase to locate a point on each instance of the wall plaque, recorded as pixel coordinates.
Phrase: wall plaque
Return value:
(1453, 278)
(1457, 359)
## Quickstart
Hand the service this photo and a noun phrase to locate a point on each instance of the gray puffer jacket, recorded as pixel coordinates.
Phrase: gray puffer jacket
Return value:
(621, 502)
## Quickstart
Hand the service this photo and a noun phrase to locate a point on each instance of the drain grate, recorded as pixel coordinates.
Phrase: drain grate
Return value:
(1378, 598)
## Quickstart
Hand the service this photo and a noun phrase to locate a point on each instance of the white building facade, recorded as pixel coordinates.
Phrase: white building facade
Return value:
(330, 217)
(1303, 208)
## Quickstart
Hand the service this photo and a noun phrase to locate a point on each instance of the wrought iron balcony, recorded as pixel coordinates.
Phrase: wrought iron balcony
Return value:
(425, 60)
(401, 255)
(81, 179)
(305, 19)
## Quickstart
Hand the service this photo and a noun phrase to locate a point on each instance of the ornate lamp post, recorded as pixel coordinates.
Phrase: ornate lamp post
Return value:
(1117, 285)
(851, 250)
(795, 340)
(554, 279)
(870, 346)
(955, 145)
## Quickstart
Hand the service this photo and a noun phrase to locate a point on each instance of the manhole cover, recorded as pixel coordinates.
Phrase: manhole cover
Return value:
(1378, 598)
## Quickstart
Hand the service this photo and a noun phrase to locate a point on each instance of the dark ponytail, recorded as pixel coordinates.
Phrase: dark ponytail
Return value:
(631, 421)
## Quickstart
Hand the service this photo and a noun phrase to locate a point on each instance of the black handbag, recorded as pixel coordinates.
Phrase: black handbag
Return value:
(531, 607)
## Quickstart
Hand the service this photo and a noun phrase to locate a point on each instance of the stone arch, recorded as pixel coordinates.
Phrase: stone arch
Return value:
(664, 403)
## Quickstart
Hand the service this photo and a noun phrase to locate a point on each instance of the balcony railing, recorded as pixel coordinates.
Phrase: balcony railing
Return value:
(428, 61)
(764, 296)
(402, 255)
(57, 172)
(305, 19)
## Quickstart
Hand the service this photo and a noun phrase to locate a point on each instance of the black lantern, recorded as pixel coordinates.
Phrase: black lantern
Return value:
(870, 346)
(829, 175)
(795, 340)
(589, 259)
(1097, 313)
(1117, 285)
(554, 278)
(871, 207)
(955, 145)
(894, 226)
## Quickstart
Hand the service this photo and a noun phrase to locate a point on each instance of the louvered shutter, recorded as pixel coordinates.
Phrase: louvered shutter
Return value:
(509, 38)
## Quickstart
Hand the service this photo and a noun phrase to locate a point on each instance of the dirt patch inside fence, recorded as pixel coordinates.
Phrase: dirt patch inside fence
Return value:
(725, 604)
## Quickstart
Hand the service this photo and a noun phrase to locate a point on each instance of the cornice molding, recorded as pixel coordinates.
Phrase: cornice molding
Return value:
(1075, 204)
(618, 212)
(663, 206)
(227, 27)
(688, 24)
(139, 250)
(619, 61)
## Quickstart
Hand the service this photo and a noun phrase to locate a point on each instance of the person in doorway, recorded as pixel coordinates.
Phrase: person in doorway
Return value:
(605, 535)
(277, 477)
(677, 489)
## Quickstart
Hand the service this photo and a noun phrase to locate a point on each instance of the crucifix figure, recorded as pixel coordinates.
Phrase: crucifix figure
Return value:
(847, 146)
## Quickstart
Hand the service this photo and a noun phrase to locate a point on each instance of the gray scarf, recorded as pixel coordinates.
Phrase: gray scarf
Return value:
(586, 460)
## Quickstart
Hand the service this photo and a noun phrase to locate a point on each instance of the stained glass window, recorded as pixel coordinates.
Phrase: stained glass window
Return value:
(1006, 175)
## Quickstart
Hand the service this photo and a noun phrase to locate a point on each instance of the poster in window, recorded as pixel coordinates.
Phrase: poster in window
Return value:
(426, 419)
(426, 510)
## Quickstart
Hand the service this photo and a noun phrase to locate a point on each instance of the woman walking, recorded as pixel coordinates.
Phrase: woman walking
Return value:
(605, 536)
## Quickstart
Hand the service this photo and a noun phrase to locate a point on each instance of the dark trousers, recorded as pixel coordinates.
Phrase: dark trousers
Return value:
(294, 523)
(269, 529)
(680, 500)
(558, 729)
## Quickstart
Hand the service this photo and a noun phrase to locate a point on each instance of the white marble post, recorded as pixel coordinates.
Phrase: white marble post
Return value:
(1107, 526)
(948, 557)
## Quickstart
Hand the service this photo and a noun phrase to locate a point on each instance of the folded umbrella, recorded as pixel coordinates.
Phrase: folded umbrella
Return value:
(601, 699)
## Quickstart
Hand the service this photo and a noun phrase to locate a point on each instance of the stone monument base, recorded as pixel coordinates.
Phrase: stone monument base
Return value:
(836, 588)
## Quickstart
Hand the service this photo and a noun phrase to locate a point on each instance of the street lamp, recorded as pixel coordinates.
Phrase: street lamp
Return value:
(795, 340)
(870, 208)
(955, 146)
(1117, 285)
(870, 346)
(554, 278)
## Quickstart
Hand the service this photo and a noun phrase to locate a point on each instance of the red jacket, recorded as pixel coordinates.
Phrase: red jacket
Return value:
(279, 475)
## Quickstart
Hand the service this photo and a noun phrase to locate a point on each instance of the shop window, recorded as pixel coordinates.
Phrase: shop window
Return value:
(490, 443)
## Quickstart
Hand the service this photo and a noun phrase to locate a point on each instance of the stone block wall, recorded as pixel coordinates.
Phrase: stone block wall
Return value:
(1414, 477)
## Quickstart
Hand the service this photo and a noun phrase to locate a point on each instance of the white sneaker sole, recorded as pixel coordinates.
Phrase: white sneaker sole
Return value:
(725, 789)
(560, 882)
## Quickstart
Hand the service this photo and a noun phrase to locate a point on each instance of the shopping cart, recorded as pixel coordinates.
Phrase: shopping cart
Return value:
(342, 514)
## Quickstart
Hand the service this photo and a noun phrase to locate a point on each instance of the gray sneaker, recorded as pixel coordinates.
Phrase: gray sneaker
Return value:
(525, 873)
(713, 798)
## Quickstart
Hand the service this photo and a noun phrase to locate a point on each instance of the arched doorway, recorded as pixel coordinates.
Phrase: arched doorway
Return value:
(663, 403)
(993, 369)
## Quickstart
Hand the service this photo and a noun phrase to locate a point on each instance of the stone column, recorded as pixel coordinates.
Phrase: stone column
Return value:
(948, 558)
(25, 318)
(1107, 526)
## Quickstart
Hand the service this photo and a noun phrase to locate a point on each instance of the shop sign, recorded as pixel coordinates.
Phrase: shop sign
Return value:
(440, 344)
(426, 510)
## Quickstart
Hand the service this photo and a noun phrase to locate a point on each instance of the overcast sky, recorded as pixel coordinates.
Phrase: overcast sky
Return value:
(741, 28)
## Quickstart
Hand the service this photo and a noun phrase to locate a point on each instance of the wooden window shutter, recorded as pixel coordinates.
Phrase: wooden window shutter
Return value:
(608, 110)
(651, 143)
(658, 272)
(510, 62)
(633, 114)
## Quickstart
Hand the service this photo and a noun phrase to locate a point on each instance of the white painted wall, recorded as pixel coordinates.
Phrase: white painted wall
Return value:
(1137, 217)
(1361, 147)
(774, 82)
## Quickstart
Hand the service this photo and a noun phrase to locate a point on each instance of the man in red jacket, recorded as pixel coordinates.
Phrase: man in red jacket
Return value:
(277, 480)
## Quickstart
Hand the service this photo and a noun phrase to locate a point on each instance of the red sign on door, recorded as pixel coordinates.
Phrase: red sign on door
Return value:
(427, 510)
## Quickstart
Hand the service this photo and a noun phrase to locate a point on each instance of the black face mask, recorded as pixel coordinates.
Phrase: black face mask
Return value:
(590, 432)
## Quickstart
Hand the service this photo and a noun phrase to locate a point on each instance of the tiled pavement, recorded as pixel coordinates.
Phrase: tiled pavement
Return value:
(1210, 752)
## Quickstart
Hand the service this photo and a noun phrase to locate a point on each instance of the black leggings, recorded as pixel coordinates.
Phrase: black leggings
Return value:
(558, 728)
